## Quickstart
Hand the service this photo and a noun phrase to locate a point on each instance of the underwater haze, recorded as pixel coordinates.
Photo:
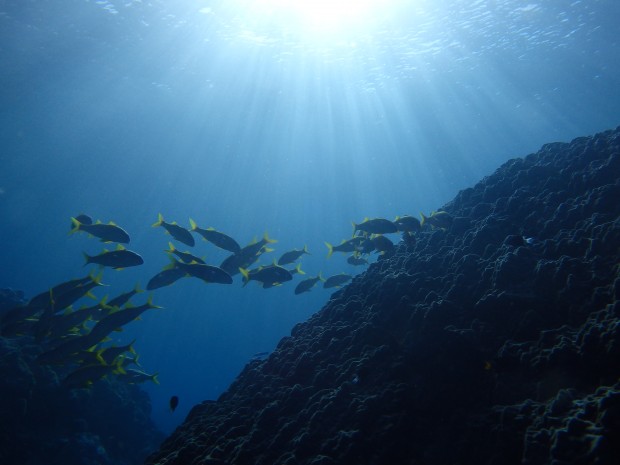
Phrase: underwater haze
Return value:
(293, 119)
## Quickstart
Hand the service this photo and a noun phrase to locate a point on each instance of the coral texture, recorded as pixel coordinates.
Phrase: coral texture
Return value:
(494, 341)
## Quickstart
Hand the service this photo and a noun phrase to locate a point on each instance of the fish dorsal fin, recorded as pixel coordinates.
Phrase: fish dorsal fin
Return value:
(112, 223)
(193, 225)
(120, 247)
(210, 228)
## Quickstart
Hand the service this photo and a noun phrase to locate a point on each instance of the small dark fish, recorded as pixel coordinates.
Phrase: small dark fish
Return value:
(292, 255)
(219, 239)
(337, 280)
(174, 402)
(382, 244)
(186, 257)
(208, 273)
(438, 219)
(117, 259)
(356, 261)
(177, 232)
(307, 284)
(164, 278)
(105, 232)
(269, 276)
(407, 223)
(375, 226)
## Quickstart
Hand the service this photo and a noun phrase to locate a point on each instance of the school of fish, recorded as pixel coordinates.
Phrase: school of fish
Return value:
(78, 338)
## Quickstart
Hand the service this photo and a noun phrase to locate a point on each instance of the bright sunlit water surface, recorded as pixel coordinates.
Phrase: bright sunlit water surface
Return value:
(292, 118)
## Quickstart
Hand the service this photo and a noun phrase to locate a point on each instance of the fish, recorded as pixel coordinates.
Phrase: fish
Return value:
(269, 276)
(82, 218)
(356, 261)
(185, 257)
(67, 350)
(174, 402)
(105, 232)
(307, 284)
(247, 256)
(208, 273)
(109, 354)
(85, 376)
(166, 277)
(133, 376)
(117, 259)
(117, 319)
(407, 223)
(382, 244)
(337, 280)
(437, 219)
(61, 300)
(177, 232)
(292, 255)
(375, 226)
(350, 245)
(217, 238)
(62, 325)
(42, 300)
(122, 299)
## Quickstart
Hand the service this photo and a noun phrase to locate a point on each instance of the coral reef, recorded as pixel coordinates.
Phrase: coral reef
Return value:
(493, 341)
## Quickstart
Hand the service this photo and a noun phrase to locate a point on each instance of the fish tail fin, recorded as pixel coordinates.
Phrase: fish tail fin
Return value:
(149, 302)
(246, 275)
(76, 226)
(160, 220)
(306, 249)
(119, 370)
(354, 227)
(172, 249)
(330, 249)
(137, 289)
(87, 258)
(154, 378)
(131, 349)
(320, 276)
(299, 270)
(99, 356)
(424, 218)
(267, 239)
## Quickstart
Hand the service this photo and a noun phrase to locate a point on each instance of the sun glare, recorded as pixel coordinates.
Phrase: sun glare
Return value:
(324, 19)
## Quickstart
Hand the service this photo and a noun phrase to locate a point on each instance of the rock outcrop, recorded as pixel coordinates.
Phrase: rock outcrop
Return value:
(494, 341)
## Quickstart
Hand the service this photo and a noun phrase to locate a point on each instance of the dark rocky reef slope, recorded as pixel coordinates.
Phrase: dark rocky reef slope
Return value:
(496, 341)
(42, 422)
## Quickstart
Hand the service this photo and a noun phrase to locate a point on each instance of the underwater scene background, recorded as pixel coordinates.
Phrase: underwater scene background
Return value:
(254, 117)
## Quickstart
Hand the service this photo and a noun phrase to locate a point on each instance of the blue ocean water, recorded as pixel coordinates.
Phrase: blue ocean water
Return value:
(258, 116)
